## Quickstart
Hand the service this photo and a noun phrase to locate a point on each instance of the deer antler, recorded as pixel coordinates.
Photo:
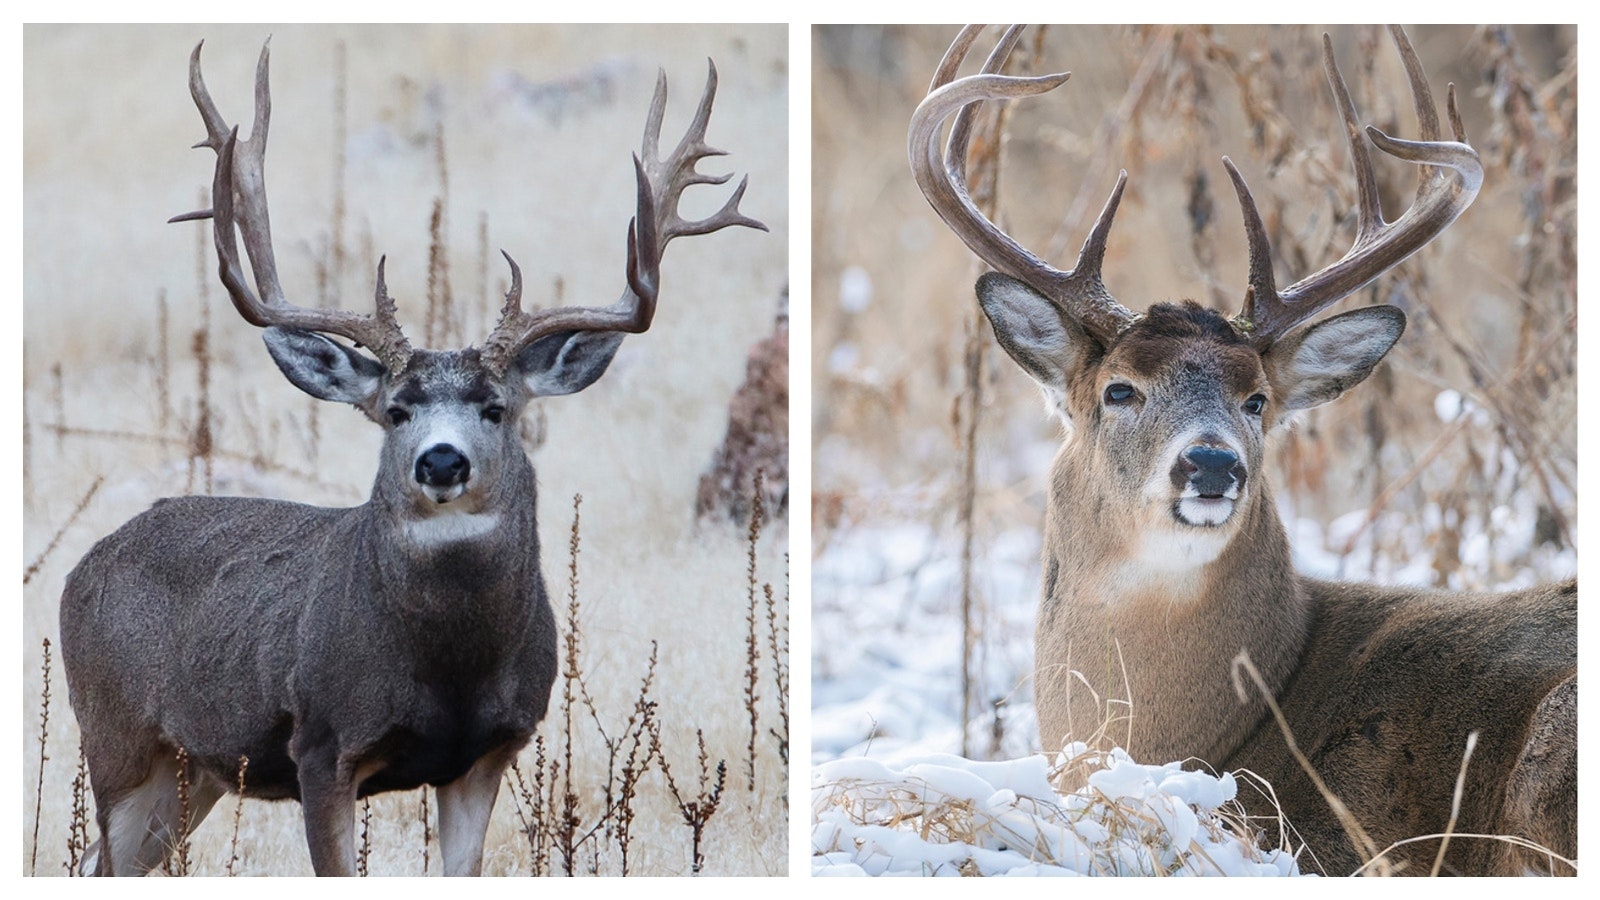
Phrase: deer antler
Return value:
(660, 184)
(943, 179)
(239, 183)
(1450, 178)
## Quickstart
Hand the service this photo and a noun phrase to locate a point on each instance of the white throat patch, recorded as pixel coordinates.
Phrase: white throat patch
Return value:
(1171, 558)
(450, 528)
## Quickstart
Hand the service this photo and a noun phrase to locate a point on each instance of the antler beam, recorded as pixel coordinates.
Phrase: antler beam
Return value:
(1450, 179)
(657, 222)
(239, 198)
(943, 180)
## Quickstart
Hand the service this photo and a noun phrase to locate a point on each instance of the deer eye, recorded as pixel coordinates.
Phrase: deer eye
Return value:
(397, 415)
(494, 414)
(1255, 404)
(1118, 394)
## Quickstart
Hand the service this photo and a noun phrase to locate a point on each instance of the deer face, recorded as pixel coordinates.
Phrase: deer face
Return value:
(1180, 406)
(450, 419)
(1170, 419)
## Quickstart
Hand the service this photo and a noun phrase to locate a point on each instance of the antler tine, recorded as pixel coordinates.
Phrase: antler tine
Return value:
(1448, 183)
(942, 177)
(659, 184)
(239, 182)
(955, 150)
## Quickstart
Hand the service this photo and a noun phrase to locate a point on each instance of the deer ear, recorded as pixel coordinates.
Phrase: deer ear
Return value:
(1046, 343)
(323, 368)
(1316, 364)
(568, 361)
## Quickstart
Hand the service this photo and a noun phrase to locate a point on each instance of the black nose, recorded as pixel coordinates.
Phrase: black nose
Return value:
(442, 466)
(1211, 470)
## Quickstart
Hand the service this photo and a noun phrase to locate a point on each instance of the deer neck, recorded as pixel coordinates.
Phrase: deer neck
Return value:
(1152, 619)
(483, 549)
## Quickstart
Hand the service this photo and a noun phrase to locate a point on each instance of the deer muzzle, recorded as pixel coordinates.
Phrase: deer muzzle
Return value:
(443, 468)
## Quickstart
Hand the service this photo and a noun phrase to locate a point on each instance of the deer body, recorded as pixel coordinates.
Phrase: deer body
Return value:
(441, 657)
(1164, 558)
(1379, 686)
(346, 652)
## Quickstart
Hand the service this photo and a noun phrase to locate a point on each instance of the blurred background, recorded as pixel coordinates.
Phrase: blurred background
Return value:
(436, 146)
(1454, 465)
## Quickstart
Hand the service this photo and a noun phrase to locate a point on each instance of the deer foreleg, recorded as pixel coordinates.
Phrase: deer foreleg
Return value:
(328, 797)
(464, 809)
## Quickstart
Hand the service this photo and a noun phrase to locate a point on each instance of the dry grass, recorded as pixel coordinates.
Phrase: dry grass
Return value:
(506, 100)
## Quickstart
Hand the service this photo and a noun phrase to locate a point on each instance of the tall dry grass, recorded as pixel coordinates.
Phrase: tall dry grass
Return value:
(1398, 480)
(137, 371)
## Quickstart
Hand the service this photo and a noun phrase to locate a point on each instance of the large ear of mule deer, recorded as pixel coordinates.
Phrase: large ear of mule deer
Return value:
(347, 652)
(1164, 557)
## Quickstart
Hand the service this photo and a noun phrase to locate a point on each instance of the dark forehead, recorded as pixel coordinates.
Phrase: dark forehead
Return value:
(433, 376)
(1187, 335)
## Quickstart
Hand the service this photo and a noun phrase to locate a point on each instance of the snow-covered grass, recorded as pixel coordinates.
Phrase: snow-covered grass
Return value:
(947, 815)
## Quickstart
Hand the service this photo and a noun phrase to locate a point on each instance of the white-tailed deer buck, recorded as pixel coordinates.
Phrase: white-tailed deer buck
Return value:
(346, 652)
(1164, 557)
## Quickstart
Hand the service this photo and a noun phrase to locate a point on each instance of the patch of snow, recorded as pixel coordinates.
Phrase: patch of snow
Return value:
(945, 815)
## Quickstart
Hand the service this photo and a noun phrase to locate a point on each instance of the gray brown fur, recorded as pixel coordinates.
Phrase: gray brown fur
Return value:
(1379, 686)
(341, 654)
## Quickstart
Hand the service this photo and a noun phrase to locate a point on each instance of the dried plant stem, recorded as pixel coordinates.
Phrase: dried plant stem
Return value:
(238, 812)
(44, 733)
(634, 768)
(434, 324)
(78, 830)
(200, 438)
(984, 165)
(697, 812)
(539, 837)
(1455, 803)
(566, 826)
(256, 460)
(780, 670)
(201, 444)
(752, 643)
(427, 834)
(55, 540)
(364, 852)
(180, 844)
(1352, 828)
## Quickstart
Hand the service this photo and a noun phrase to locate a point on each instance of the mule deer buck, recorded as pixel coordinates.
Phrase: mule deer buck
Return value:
(346, 652)
(1164, 557)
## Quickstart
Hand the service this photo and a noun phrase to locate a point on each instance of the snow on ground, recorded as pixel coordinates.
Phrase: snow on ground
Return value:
(946, 815)
(886, 648)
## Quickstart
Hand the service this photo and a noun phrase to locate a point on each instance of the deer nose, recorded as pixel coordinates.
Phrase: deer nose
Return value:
(442, 466)
(1210, 470)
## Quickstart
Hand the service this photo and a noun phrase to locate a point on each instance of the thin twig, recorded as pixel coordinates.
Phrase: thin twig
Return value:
(1347, 820)
(55, 541)
(1455, 803)
(44, 732)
